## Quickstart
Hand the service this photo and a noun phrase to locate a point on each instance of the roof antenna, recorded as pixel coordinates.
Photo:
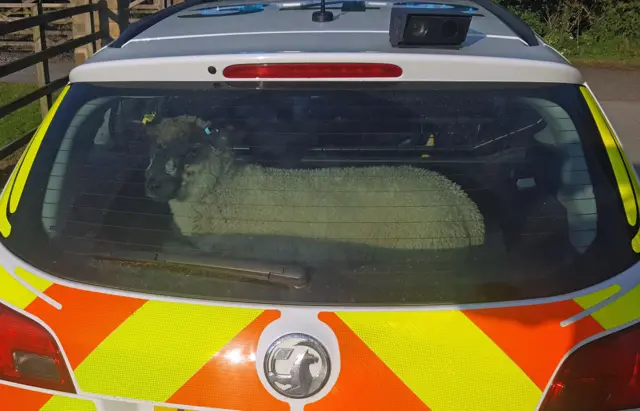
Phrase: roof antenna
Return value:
(322, 16)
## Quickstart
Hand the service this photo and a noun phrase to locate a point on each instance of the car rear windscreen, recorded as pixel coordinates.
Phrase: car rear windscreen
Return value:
(325, 193)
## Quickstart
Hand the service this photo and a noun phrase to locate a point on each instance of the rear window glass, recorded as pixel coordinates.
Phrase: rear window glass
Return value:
(324, 193)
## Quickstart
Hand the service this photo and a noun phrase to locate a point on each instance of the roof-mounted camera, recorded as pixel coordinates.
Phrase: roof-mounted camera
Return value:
(429, 24)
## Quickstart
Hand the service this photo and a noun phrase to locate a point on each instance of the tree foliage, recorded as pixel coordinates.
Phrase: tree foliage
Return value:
(584, 26)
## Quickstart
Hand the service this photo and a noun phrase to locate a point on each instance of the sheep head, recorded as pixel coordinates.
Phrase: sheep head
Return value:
(184, 158)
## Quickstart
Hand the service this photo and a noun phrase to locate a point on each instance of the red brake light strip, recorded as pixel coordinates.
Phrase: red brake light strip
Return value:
(312, 70)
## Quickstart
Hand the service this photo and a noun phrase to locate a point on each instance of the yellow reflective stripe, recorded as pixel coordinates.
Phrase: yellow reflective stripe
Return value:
(606, 131)
(156, 350)
(15, 186)
(621, 311)
(589, 300)
(615, 157)
(30, 153)
(14, 293)
(448, 362)
(635, 242)
(5, 226)
(62, 403)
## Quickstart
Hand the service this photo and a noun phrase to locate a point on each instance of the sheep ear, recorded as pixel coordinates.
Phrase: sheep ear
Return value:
(220, 137)
(201, 123)
(217, 139)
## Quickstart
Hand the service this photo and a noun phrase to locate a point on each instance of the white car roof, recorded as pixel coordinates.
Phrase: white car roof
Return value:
(180, 47)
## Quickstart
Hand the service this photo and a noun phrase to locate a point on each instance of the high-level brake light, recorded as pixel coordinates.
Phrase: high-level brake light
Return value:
(603, 375)
(30, 355)
(312, 70)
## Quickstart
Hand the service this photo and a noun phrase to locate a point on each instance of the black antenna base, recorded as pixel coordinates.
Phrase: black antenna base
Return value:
(322, 16)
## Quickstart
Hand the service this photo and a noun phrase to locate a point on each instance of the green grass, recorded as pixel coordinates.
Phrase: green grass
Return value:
(607, 62)
(19, 122)
(618, 52)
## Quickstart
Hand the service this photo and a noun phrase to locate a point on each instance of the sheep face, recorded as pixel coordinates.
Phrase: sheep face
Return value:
(181, 155)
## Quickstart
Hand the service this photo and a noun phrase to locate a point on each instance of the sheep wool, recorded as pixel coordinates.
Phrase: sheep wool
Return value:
(401, 208)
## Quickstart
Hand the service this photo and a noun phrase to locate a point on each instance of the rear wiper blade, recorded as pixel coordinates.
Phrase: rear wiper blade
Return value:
(289, 275)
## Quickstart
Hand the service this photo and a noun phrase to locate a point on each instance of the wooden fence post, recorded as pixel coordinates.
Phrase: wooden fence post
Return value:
(103, 22)
(81, 26)
(96, 25)
(123, 14)
(114, 28)
(41, 70)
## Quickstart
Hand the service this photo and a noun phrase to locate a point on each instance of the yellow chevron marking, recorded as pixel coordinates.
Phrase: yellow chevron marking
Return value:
(621, 311)
(448, 362)
(615, 157)
(15, 293)
(589, 300)
(62, 403)
(36, 282)
(156, 350)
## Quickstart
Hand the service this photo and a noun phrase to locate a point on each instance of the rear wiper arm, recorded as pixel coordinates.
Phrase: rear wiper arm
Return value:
(289, 275)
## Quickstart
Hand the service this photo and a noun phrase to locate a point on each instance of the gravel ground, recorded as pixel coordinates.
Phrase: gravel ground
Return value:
(59, 67)
(9, 56)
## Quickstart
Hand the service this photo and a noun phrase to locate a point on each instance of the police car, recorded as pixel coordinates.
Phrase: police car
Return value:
(350, 205)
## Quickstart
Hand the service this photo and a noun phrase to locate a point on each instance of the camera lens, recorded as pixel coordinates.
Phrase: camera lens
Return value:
(449, 29)
(418, 28)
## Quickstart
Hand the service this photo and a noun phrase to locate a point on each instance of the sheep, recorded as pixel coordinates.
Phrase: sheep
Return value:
(371, 208)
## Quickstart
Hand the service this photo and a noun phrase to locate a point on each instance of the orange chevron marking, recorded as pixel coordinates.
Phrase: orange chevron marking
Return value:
(365, 382)
(86, 318)
(532, 335)
(230, 379)
(19, 399)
